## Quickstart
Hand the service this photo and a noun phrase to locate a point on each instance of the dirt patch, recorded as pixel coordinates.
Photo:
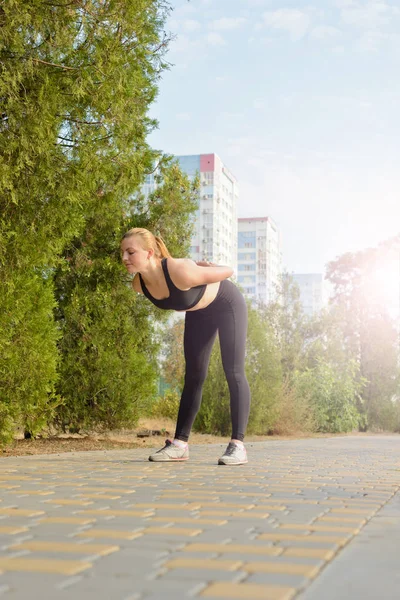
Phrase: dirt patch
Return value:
(155, 431)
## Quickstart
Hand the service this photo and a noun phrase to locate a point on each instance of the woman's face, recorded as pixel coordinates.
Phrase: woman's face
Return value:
(133, 255)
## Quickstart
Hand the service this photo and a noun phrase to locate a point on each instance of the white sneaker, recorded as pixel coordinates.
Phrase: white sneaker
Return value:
(233, 455)
(170, 452)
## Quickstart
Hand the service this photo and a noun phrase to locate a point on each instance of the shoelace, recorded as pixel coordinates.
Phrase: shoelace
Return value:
(167, 444)
(230, 449)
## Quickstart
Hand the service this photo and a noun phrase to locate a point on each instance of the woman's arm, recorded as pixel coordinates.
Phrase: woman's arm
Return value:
(185, 273)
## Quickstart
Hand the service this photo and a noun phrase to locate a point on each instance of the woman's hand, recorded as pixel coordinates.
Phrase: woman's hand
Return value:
(205, 263)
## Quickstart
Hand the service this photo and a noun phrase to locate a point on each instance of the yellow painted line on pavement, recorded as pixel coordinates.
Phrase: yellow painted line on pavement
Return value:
(10, 530)
(193, 520)
(67, 520)
(108, 489)
(100, 496)
(344, 520)
(292, 537)
(172, 531)
(281, 567)
(68, 502)
(234, 549)
(44, 546)
(240, 515)
(116, 513)
(247, 591)
(326, 528)
(191, 563)
(62, 567)
(109, 533)
(21, 512)
(31, 493)
(152, 506)
(309, 553)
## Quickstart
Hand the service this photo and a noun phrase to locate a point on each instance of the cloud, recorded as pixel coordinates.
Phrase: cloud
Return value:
(190, 25)
(373, 41)
(215, 39)
(183, 44)
(183, 116)
(258, 104)
(370, 14)
(188, 8)
(324, 32)
(295, 22)
(226, 23)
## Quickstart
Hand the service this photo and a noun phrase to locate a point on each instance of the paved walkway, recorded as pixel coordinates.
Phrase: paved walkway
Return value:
(111, 525)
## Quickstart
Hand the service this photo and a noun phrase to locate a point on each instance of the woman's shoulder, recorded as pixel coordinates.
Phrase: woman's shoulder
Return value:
(179, 267)
(179, 263)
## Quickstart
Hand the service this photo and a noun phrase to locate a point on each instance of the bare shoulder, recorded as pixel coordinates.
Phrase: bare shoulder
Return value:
(178, 269)
(179, 264)
(185, 273)
(136, 284)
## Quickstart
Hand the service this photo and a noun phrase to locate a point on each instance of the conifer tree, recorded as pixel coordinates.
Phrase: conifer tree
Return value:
(76, 82)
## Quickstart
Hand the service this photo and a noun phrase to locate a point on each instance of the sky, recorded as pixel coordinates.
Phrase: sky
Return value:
(301, 101)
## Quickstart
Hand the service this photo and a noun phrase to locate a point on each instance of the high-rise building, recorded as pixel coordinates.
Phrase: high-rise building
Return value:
(312, 291)
(259, 258)
(215, 221)
(215, 231)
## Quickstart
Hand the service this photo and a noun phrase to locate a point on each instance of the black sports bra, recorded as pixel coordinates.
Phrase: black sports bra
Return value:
(177, 299)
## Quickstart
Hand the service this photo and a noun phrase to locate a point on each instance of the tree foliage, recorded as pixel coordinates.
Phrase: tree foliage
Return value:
(370, 332)
(76, 83)
(332, 395)
(110, 341)
(263, 371)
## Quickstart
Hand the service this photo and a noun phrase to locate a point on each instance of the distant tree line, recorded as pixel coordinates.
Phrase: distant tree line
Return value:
(337, 371)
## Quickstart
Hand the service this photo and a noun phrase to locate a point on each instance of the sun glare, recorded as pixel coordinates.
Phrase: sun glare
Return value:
(386, 281)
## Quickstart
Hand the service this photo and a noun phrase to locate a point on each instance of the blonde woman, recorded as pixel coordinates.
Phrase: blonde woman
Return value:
(213, 304)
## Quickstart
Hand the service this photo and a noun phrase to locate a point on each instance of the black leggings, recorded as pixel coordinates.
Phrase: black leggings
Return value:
(227, 315)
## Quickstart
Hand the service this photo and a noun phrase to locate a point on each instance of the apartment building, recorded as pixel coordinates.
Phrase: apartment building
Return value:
(259, 258)
(215, 221)
(312, 291)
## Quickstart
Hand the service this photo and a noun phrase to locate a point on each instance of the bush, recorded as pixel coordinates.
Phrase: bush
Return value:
(332, 395)
(294, 413)
(28, 350)
(108, 371)
(263, 372)
(166, 406)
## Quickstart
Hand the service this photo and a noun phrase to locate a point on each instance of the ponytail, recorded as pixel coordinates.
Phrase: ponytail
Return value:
(162, 248)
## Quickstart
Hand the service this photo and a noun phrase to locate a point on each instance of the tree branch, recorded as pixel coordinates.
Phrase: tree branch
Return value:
(63, 67)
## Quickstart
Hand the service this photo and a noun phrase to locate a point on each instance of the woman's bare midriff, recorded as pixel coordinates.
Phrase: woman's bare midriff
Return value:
(209, 295)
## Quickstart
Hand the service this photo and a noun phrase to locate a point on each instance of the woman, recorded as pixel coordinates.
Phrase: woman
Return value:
(212, 304)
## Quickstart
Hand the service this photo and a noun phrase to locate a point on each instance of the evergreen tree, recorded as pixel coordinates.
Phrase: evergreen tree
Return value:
(76, 82)
(110, 342)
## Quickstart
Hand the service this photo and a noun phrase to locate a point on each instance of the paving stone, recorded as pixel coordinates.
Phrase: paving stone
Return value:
(247, 591)
(367, 568)
(318, 488)
(279, 579)
(199, 575)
